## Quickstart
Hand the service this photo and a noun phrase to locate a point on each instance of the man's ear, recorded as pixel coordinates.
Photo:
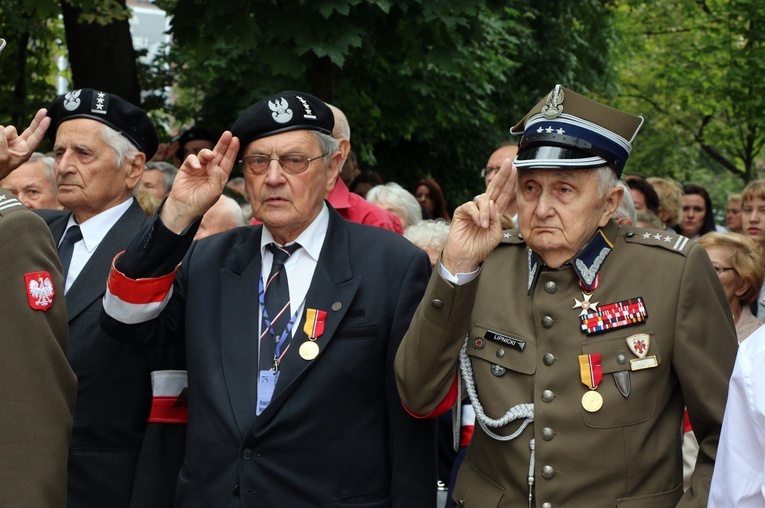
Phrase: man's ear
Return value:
(345, 149)
(134, 169)
(333, 170)
(613, 199)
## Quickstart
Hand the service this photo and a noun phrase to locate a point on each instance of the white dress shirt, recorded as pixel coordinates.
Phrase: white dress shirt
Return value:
(301, 265)
(737, 480)
(93, 232)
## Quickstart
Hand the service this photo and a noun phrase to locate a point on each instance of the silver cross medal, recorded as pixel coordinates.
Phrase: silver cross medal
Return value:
(586, 305)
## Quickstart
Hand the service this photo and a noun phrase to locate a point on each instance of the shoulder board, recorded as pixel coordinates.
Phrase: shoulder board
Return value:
(512, 236)
(657, 238)
(9, 203)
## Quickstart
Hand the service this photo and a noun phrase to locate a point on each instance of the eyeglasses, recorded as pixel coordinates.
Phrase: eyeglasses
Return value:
(721, 269)
(292, 163)
(489, 170)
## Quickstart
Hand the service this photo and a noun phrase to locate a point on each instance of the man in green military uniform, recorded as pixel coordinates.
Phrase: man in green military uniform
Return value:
(37, 386)
(579, 341)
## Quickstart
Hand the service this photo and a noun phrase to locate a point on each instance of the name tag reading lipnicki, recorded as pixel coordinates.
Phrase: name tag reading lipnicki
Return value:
(498, 337)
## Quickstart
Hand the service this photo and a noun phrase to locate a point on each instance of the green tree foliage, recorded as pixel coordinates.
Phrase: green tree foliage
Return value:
(34, 31)
(429, 86)
(696, 70)
(27, 65)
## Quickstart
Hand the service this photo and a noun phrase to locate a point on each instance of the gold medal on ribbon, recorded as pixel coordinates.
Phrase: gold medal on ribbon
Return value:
(592, 401)
(591, 374)
(309, 350)
(313, 328)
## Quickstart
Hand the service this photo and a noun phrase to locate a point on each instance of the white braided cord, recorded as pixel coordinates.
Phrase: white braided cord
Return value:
(516, 412)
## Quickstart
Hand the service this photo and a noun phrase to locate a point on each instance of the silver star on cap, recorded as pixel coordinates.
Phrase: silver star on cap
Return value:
(586, 305)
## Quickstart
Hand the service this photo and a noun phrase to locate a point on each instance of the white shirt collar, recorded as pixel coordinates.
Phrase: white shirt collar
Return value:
(95, 229)
(311, 239)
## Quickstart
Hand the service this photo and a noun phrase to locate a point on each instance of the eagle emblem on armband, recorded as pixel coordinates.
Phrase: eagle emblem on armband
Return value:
(40, 290)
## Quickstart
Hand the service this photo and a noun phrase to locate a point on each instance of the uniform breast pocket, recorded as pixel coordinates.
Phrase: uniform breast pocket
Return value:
(507, 351)
(630, 364)
(501, 368)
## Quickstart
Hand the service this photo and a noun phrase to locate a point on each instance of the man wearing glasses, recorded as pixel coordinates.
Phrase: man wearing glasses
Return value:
(290, 327)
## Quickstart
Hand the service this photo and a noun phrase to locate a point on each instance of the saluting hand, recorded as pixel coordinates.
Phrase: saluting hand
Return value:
(199, 183)
(477, 225)
(16, 149)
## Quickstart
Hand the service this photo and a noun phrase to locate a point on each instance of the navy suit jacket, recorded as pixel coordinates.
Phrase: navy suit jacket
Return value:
(114, 378)
(335, 433)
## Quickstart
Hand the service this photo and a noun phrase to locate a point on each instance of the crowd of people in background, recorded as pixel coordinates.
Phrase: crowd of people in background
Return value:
(418, 212)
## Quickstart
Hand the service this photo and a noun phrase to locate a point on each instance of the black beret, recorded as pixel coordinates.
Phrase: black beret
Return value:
(285, 111)
(195, 133)
(112, 110)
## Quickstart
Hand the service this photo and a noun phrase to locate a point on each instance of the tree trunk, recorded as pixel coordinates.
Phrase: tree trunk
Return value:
(101, 57)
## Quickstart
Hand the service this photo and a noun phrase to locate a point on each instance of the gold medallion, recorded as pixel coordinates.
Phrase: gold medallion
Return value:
(592, 401)
(309, 350)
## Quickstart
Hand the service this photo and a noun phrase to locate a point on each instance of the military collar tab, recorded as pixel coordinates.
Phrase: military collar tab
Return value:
(587, 263)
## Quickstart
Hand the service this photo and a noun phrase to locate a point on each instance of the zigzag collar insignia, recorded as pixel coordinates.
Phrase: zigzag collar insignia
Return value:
(589, 261)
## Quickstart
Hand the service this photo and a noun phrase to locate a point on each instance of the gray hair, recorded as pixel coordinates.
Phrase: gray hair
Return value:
(626, 208)
(395, 195)
(428, 233)
(168, 172)
(327, 144)
(124, 149)
(47, 163)
(606, 179)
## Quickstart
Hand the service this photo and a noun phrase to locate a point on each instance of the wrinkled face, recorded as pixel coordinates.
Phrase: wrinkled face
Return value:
(694, 211)
(720, 257)
(559, 211)
(285, 203)
(639, 199)
(733, 217)
(423, 197)
(33, 185)
(496, 160)
(753, 219)
(88, 178)
(153, 183)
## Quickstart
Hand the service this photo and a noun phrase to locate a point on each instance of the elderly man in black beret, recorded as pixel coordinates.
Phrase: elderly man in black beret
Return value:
(101, 143)
(290, 327)
(579, 341)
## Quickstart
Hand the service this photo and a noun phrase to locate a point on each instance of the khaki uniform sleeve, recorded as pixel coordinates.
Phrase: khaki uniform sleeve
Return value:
(37, 385)
(427, 360)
